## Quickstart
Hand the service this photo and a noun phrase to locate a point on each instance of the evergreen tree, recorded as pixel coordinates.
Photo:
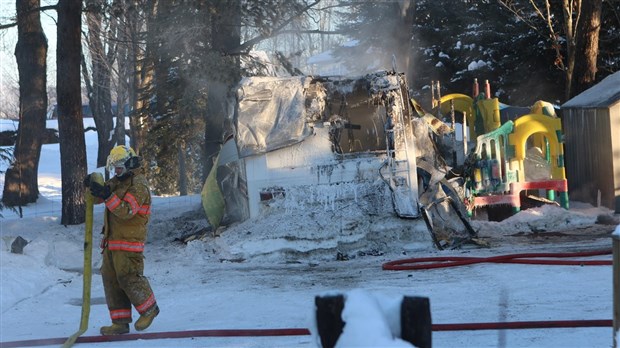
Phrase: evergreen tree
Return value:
(481, 41)
(381, 33)
(609, 39)
(454, 42)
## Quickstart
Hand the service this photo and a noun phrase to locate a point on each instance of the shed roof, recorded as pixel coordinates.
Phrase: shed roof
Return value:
(603, 94)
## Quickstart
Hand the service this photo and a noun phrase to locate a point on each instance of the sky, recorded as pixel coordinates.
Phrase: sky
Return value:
(265, 274)
(8, 39)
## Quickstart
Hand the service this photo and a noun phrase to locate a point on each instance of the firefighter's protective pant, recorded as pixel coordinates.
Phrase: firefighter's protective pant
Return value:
(125, 285)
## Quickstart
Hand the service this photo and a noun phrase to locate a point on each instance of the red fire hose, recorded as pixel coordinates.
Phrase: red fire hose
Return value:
(160, 335)
(525, 258)
(303, 332)
(523, 325)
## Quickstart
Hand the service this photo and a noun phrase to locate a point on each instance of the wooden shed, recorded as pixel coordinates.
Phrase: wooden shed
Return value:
(591, 124)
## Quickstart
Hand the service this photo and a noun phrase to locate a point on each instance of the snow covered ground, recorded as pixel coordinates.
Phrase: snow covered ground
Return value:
(265, 273)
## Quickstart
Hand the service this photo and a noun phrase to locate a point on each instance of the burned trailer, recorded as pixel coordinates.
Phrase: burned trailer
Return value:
(325, 142)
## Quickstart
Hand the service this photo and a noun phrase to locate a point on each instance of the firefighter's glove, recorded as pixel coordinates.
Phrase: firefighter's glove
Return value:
(87, 181)
(102, 191)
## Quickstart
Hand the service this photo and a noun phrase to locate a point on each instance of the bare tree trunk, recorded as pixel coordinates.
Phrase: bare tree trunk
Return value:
(226, 36)
(21, 184)
(587, 47)
(182, 168)
(121, 101)
(142, 73)
(122, 86)
(572, 12)
(70, 122)
(404, 37)
(100, 96)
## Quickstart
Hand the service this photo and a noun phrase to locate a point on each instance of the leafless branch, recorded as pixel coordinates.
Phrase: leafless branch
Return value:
(41, 9)
(247, 45)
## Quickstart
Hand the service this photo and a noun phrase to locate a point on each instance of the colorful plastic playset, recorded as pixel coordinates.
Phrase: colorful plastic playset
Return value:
(511, 157)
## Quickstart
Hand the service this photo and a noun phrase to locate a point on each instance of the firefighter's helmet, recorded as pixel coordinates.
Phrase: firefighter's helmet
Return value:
(122, 159)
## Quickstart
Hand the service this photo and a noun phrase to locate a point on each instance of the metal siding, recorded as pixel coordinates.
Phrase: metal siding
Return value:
(589, 163)
(614, 112)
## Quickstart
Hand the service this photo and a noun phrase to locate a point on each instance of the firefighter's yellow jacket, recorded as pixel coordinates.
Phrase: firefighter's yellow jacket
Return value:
(127, 213)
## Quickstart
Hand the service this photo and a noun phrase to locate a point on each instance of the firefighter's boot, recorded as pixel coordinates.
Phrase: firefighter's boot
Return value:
(115, 329)
(146, 319)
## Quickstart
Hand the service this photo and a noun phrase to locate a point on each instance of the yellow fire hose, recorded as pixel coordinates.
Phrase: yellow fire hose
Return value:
(88, 253)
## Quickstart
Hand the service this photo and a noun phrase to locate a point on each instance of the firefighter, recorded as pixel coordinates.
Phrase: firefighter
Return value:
(128, 206)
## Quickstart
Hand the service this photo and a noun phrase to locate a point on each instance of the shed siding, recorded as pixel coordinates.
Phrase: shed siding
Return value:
(589, 165)
(614, 112)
